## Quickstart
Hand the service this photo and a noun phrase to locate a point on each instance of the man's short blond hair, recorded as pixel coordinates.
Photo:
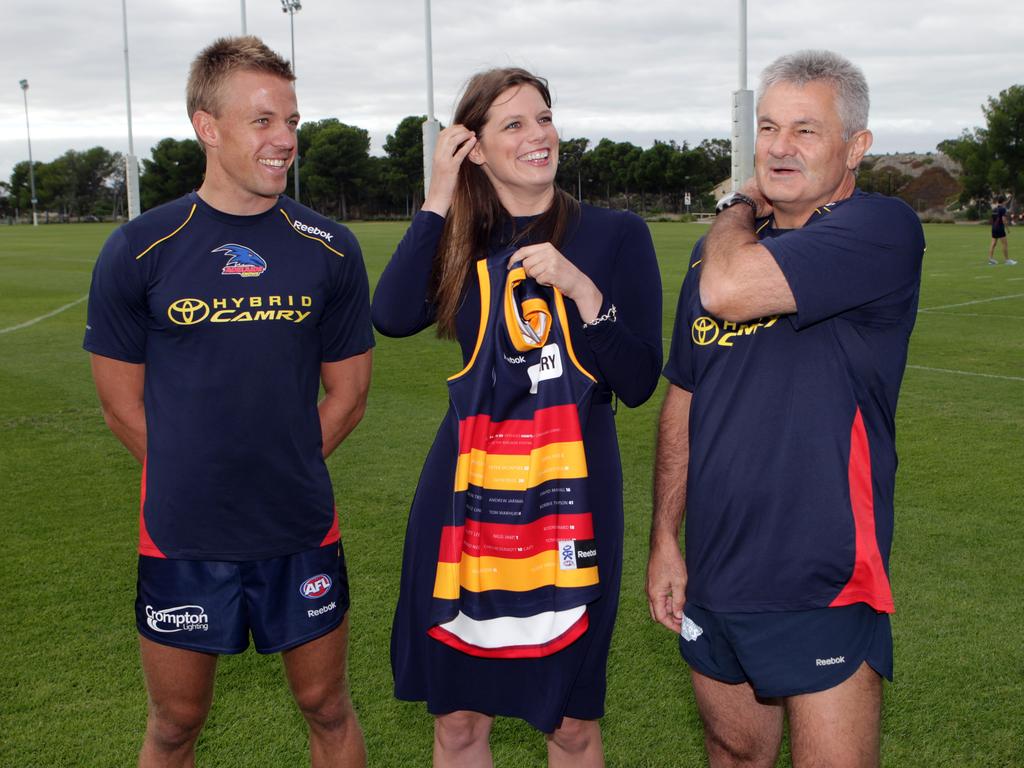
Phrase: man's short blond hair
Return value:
(220, 60)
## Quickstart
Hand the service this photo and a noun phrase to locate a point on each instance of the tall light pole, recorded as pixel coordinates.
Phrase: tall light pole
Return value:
(31, 170)
(131, 177)
(243, 18)
(290, 7)
(742, 114)
(431, 127)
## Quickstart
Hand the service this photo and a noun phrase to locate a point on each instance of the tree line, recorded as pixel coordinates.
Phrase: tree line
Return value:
(992, 158)
(341, 179)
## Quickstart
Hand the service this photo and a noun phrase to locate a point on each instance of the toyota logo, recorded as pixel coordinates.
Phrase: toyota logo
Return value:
(704, 331)
(188, 311)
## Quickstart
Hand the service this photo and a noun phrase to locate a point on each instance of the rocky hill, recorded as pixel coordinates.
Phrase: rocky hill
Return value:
(928, 182)
(914, 163)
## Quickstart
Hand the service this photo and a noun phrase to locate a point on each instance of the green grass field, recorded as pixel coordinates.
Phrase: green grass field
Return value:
(71, 693)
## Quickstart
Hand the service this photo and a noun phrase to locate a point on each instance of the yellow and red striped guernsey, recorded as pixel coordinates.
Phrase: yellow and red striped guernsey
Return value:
(517, 561)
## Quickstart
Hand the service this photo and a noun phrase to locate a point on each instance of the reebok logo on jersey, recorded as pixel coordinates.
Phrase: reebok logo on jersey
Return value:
(576, 553)
(830, 661)
(314, 612)
(549, 367)
(299, 226)
(689, 629)
(243, 261)
(181, 618)
(517, 360)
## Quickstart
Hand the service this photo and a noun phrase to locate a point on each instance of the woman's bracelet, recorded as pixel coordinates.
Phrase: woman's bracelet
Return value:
(609, 316)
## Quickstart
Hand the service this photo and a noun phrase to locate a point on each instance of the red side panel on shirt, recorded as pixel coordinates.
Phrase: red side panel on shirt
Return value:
(334, 533)
(869, 582)
(146, 545)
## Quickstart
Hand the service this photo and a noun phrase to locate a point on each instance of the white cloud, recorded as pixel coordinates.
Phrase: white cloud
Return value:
(627, 70)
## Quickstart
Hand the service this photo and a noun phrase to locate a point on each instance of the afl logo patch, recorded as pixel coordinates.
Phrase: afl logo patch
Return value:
(315, 586)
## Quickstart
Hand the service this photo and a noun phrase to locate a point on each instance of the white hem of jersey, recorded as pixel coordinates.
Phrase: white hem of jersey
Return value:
(512, 630)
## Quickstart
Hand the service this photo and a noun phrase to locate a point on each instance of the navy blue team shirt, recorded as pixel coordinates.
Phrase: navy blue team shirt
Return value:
(792, 422)
(232, 317)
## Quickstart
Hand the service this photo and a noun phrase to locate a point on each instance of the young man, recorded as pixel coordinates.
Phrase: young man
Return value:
(213, 320)
(1000, 218)
(777, 435)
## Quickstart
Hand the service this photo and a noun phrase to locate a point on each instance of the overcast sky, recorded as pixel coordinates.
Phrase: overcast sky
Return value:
(630, 70)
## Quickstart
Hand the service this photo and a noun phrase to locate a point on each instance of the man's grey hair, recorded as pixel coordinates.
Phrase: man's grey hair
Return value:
(803, 67)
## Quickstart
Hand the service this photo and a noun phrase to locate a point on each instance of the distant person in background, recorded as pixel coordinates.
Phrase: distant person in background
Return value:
(213, 321)
(1000, 218)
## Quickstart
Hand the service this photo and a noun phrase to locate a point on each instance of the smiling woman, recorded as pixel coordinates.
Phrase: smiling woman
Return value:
(513, 551)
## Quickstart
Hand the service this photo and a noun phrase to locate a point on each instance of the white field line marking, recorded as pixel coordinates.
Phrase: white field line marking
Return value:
(973, 314)
(39, 319)
(966, 373)
(969, 303)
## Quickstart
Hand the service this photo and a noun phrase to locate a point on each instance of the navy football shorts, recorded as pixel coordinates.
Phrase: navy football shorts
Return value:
(212, 606)
(786, 653)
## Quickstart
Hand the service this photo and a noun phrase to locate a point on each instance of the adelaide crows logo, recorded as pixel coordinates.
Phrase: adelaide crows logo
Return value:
(244, 261)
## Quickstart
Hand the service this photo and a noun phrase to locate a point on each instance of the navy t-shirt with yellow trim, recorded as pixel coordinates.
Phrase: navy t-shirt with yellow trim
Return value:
(792, 423)
(232, 317)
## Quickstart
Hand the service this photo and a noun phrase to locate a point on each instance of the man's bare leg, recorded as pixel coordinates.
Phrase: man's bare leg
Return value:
(739, 728)
(317, 674)
(180, 688)
(838, 728)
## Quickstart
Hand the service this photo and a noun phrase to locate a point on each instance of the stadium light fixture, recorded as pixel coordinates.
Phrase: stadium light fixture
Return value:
(431, 128)
(31, 170)
(131, 165)
(290, 7)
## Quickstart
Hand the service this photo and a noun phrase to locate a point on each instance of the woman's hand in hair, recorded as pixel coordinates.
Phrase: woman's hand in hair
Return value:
(545, 264)
(453, 144)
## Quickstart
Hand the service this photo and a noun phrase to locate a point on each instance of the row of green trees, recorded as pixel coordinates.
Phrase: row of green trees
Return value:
(76, 184)
(992, 158)
(340, 178)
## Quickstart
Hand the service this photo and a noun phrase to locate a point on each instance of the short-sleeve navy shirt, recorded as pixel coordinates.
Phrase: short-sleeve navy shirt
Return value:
(232, 317)
(792, 422)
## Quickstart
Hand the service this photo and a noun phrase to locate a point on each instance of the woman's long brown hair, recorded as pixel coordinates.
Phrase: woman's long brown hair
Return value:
(476, 213)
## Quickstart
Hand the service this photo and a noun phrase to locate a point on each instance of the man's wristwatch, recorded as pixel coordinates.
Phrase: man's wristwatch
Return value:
(733, 198)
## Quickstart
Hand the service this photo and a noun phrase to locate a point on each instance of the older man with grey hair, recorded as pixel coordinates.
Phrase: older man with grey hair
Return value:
(777, 435)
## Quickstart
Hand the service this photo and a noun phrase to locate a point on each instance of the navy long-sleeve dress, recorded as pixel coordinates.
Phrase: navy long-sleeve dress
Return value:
(615, 250)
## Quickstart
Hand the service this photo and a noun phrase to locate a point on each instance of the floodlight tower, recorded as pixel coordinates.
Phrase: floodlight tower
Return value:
(131, 164)
(431, 127)
(742, 114)
(291, 7)
(31, 170)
